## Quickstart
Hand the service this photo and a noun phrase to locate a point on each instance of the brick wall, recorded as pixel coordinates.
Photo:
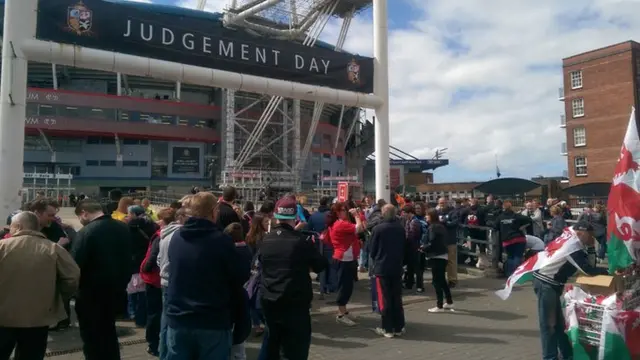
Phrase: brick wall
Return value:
(608, 91)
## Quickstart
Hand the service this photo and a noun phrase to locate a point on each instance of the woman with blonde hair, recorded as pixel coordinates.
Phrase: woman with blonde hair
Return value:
(123, 208)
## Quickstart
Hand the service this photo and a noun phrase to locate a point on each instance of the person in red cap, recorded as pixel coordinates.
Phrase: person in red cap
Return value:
(286, 255)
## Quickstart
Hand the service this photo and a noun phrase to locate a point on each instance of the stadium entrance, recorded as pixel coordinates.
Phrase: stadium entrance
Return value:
(55, 186)
(84, 34)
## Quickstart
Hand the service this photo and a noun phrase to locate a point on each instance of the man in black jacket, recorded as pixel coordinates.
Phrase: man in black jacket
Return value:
(226, 214)
(510, 226)
(102, 250)
(387, 253)
(286, 256)
(451, 218)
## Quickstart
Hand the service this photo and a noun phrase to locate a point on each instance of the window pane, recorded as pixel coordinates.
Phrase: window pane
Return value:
(107, 163)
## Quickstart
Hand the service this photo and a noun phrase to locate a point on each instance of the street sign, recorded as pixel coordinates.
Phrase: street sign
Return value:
(48, 176)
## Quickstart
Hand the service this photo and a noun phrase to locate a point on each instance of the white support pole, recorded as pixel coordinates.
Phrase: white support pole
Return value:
(178, 90)
(381, 90)
(54, 74)
(119, 84)
(19, 25)
(296, 145)
(285, 131)
(230, 122)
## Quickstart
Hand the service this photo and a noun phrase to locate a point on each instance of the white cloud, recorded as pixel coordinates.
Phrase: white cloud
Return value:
(211, 5)
(515, 111)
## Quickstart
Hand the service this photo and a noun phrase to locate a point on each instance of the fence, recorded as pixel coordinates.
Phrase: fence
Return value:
(490, 247)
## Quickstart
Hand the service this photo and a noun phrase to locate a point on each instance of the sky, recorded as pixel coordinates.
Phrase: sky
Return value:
(481, 78)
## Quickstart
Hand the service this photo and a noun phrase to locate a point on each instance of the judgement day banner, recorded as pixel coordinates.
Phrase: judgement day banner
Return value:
(194, 38)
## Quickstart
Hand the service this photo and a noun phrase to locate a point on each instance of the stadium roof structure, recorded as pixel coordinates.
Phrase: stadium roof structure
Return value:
(507, 186)
(400, 157)
(591, 189)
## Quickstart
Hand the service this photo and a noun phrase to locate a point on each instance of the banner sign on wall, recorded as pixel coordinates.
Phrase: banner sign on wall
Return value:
(130, 29)
(185, 160)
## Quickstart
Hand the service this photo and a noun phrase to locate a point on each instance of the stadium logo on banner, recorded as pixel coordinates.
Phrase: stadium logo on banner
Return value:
(353, 72)
(79, 19)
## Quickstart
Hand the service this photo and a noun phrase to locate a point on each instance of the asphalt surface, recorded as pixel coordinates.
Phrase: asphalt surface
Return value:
(483, 327)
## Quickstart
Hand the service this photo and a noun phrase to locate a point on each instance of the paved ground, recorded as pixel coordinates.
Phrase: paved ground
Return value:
(482, 327)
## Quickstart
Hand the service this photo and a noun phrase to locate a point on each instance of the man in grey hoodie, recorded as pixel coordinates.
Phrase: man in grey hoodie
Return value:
(163, 263)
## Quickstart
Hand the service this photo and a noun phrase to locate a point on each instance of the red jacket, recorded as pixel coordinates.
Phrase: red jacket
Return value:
(151, 277)
(343, 236)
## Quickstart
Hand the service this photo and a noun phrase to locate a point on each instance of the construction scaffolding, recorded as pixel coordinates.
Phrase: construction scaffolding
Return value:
(264, 145)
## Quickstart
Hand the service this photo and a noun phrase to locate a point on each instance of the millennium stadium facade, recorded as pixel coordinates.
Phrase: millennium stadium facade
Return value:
(89, 131)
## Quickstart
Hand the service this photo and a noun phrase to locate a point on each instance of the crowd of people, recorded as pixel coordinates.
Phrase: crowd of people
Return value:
(203, 274)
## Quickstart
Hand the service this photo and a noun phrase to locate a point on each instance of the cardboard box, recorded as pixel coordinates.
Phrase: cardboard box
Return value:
(597, 285)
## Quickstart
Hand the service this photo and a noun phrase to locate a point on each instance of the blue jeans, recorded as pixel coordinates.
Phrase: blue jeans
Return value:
(515, 253)
(552, 323)
(363, 261)
(138, 308)
(602, 246)
(189, 344)
(162, 348)
(329, 277)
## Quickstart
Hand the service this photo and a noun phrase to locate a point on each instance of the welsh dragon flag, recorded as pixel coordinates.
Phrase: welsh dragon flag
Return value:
(624, 203)
(556, 251)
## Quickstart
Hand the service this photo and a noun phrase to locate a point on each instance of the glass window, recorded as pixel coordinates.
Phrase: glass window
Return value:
(129, 163)
(144, 163)
(46, 110)
(339, 159)
(576, 79)
(93, 140)
(326, 172)
(579, 136)
(580, 163)
(32, 109)
(93, 163)
(159, 153)
(107, 163)
(159, 170)
(107, 140)
(326, 157)
(577, 107)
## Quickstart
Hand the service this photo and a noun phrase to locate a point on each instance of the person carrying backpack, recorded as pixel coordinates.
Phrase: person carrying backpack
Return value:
(416, 230)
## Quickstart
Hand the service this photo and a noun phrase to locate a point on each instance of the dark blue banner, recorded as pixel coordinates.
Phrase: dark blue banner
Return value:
(421, 163)
(131, 29)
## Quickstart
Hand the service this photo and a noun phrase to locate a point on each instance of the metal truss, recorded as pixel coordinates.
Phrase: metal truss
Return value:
(276, 133)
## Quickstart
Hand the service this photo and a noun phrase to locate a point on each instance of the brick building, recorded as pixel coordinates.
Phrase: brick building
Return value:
(600, 87)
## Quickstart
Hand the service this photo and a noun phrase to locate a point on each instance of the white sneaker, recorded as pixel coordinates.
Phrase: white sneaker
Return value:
(436, 310)
(381, 332)
(402, 332)
(345, 320)
(449, 307)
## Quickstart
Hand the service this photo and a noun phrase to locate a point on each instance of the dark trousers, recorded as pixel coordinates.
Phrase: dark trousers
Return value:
(415, 269)
(154, 314)
(29, 343)
(515, 254)
(347, 270)
(288, 331)
(439, 281)
(552, 322)
(602, 246)
(97, 320)
(162, 348)
(389, 291)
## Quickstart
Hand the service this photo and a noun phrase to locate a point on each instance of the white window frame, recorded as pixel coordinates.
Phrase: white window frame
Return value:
(577, 107)
(579, 140)
(575, 79)
(576, 166)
